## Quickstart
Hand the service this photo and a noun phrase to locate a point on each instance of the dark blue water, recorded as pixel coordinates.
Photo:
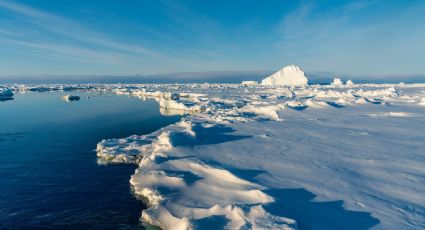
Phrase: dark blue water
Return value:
(49, 178)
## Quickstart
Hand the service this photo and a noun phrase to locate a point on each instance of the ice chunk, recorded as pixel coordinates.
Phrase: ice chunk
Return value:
(5, 94)
(184, 107)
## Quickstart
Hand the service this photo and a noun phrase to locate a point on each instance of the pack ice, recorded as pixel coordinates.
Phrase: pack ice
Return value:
(340, 156)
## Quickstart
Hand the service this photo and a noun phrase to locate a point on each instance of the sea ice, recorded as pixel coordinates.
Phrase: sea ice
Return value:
(279, 157)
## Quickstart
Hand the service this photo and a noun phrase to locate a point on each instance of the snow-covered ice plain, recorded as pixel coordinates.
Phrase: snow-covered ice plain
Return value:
(341, 156)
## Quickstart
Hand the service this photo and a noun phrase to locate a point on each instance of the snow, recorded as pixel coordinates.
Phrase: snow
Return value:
(5, 93)
(390, 114)
(290, 75)
(278, 157)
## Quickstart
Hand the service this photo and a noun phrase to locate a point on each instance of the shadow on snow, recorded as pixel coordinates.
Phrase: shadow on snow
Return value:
(206, 136)
(298, 204)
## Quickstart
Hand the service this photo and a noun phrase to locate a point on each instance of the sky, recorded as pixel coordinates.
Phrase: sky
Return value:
(104, 37)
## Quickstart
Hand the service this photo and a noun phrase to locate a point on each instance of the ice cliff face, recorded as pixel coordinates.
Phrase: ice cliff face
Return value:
(290, 75)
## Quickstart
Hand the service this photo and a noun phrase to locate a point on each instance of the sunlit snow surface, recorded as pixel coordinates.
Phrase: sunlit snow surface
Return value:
(258, 157)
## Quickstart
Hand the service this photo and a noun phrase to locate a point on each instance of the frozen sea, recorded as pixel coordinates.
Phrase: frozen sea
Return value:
(49, 175)
(341, 156)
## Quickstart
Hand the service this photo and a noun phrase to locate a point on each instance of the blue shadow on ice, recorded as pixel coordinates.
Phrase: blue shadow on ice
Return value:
(335, 105)
(211, 223)
(298, 204)
(206, 136)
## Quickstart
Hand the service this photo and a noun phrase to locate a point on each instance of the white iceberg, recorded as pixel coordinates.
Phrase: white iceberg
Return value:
(290, 75)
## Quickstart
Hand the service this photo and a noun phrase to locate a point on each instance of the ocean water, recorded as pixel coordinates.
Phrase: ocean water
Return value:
(49, 176)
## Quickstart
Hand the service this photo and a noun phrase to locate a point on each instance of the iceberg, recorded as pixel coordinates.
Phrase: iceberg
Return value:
(290, 76)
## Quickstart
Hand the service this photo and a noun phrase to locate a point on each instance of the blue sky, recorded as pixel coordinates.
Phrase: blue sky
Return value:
(101, 37)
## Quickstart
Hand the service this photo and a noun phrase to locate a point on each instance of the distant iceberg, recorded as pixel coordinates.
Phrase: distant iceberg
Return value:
(290, 75)
(70, 97)
(337, 82)
(5, 94)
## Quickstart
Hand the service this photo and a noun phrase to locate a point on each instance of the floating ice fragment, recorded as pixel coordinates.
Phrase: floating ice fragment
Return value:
(5, 94)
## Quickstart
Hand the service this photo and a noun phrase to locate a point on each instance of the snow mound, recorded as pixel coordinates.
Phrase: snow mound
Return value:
(290, 75)
(269, 111)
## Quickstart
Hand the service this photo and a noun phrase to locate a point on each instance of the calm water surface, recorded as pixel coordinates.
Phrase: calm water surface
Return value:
(49, 178)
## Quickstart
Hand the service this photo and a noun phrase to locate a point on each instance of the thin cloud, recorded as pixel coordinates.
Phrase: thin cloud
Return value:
(72, 30)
